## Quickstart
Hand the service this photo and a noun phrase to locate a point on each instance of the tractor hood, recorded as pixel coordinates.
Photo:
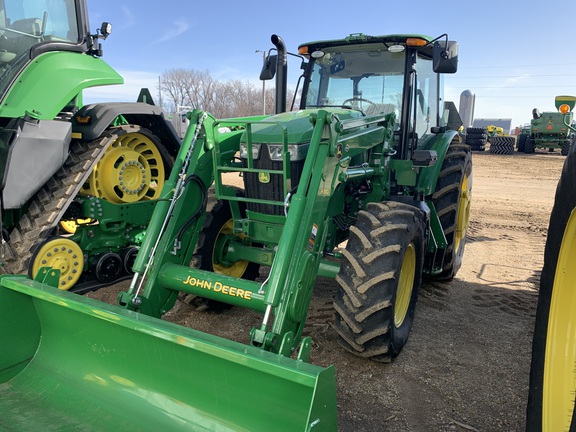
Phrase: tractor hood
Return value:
(296, 126)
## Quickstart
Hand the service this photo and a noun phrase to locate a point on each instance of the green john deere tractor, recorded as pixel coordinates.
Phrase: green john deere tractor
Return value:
(79, 183)
(552, 375)
(365, 183)
(548, 129)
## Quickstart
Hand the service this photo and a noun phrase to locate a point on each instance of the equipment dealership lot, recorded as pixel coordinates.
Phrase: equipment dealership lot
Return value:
(467, 361)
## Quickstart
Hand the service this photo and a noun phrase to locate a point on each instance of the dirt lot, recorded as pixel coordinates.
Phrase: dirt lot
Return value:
(466, 365)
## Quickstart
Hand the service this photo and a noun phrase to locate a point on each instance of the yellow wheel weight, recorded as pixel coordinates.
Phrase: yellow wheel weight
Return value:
(131, 170)
(62, 254)
(405, 285)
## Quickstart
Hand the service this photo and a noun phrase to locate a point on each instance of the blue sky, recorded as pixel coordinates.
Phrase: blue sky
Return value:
(513, 56)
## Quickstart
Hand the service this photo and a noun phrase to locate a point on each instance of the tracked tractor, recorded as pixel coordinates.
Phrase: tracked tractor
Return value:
(551, 397)
(364, 182)
(79, 182)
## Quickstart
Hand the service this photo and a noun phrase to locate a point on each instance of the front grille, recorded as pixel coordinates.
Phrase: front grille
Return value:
(272, 190)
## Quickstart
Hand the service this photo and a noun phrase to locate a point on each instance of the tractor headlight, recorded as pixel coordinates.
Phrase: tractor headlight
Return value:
(244, 151)
(297, 152)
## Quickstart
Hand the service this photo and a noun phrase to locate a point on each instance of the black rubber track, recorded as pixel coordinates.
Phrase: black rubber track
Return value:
(564, 204)
(368, 280)
(446, 199)
(48, 206)
(50, 203)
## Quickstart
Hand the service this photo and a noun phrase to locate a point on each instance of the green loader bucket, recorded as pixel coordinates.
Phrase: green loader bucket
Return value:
(70, 363)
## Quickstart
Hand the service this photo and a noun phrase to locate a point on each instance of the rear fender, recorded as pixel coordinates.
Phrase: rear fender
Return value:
(102, 115)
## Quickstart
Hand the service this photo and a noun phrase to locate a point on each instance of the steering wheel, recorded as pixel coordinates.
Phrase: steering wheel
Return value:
(354, 101)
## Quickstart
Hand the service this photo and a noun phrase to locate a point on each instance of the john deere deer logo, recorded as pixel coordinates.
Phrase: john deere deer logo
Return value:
(264, 177)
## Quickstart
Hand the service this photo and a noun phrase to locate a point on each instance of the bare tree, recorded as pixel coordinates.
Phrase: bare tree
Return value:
(224, 99)
(173, 82)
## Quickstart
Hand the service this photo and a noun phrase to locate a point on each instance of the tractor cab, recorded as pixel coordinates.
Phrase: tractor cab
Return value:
(29, 28)
(382, 75)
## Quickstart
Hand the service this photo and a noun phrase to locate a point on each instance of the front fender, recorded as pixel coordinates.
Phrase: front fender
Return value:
(429, 175)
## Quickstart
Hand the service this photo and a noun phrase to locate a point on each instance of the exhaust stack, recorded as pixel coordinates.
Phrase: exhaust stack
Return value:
(281, 74)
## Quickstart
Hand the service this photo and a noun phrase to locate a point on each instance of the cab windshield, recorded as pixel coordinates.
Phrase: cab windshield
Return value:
(25, 23)
(366, 78)
(29, 22)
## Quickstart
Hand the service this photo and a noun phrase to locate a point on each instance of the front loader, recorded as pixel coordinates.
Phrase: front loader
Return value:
(79, 182)
(365, 183)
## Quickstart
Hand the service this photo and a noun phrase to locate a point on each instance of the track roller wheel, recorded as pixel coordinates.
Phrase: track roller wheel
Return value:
(379, 280)
(132, 169)
(62, 254)
(552, 387)
(107, 267)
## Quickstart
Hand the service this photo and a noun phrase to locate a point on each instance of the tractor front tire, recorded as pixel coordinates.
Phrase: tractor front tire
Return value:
(219, 223)
(379, 280)
(452, 199)
(552, 374)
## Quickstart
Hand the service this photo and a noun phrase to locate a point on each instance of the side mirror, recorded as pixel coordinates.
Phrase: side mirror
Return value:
(445, 57)
(269, 68)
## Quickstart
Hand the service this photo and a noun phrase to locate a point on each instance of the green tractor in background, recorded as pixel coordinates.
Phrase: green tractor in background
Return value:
(548, 130)
(551, 398)
(79, 183)
(367, 183)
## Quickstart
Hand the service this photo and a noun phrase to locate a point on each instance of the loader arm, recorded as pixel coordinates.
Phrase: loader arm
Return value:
(299, 249)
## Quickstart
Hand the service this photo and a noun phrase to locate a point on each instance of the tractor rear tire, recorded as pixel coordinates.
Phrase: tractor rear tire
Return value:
(521, 143)
(452, 202)
(218, 222)
(476, 144)
(379, 280)
(552, 374)
(566, 147)
(529, 146)
(475, 130)
(502, 145)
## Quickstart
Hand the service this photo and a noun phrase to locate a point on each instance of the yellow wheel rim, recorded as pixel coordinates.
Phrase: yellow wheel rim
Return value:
(560, 356)
(62, 254)
(239, 267)
(463, 213)
(405, 285)
(71, 225)
(131, 170)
